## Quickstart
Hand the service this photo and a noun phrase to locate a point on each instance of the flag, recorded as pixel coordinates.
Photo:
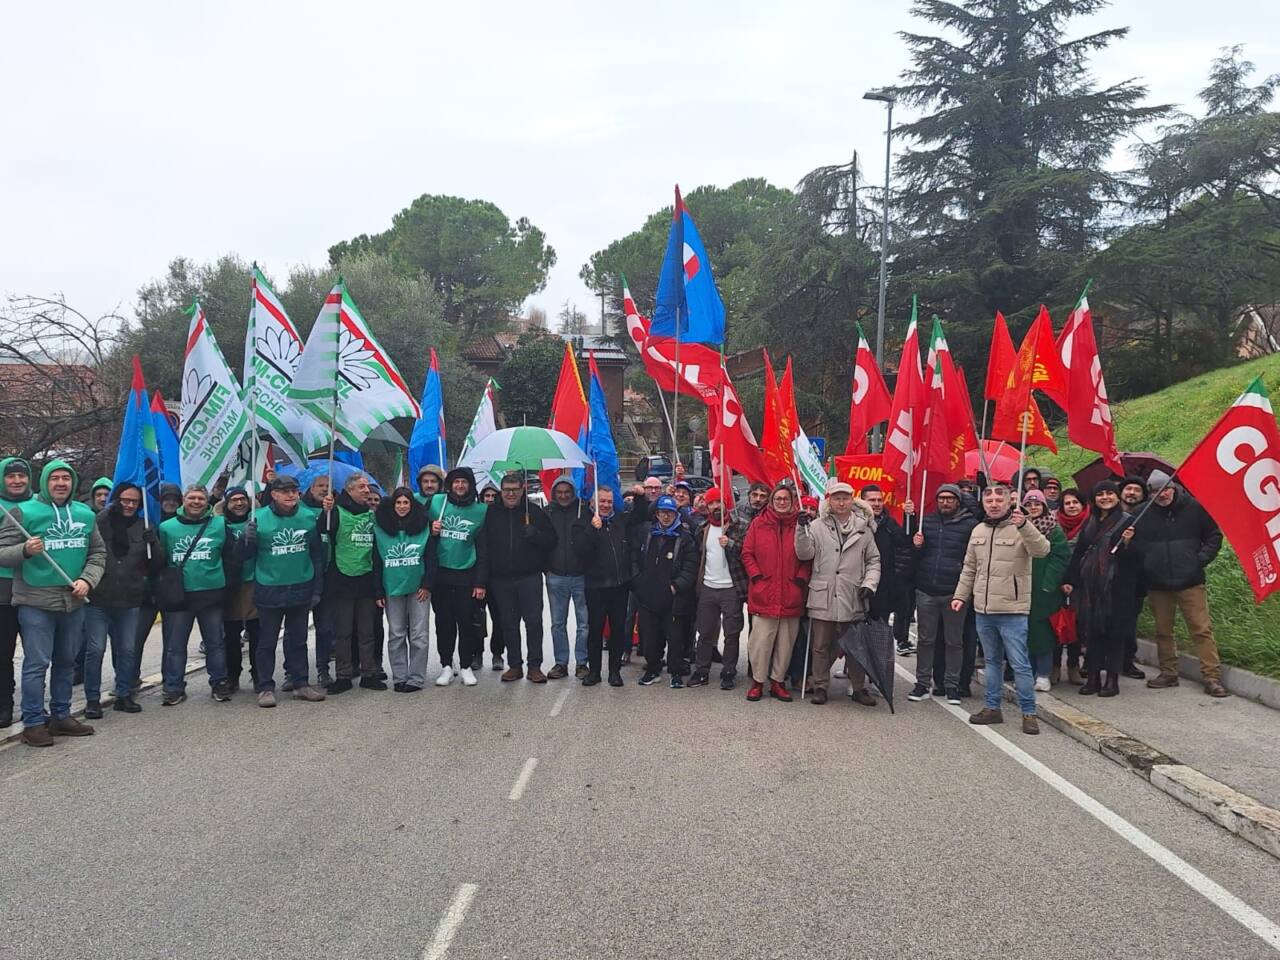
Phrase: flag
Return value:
(272, 350)
(600, 445)
(1233, 473)
(427, 442)
(808, 466)
(1088, 411)
(570, 416)
(698, 374)
(166, 441)
(213, 417)
(1017, 415)
(482, 424)
(734, 438)
(1048, 374)
(401, 474)
(1000, 360)
(951, 430)
(343, 364)
(688, 303)
(779, 423)
(870, 402)
(906, 415)
(138, 459)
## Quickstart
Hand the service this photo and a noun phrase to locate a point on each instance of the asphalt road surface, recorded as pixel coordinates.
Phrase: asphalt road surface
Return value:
(522, 821)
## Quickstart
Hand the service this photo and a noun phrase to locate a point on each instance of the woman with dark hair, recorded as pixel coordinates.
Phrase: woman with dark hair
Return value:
(1073, 513)
(1046, 587)
(400, 533)
(1103, 578)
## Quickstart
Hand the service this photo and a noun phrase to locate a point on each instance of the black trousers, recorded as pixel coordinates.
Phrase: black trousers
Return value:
(231, 633)
(8, 648)
(904, 609)
(497, 639)
(517, 599)
(664, 630)
(606, 605)
(455, 610)
(966, 661)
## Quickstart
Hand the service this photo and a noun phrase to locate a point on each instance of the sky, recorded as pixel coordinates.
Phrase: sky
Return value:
(138, 132)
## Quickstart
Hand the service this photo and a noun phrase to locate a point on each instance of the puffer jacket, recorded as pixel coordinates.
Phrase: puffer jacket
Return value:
(779, 578)
(940, 558)
(607, 555)
(1178, 542)
(666, 562)
(562, 559)
(841, 571)
(997, 566)
(124, 578)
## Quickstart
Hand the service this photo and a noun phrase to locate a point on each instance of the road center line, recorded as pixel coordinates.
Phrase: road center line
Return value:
(559, 704)
(447, 928)
(522, 781)
(1253, 921)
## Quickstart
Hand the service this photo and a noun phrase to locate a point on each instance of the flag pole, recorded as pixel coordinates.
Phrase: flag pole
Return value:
(675, 399)
(1022, 457)
(44, 553)
(253, 391)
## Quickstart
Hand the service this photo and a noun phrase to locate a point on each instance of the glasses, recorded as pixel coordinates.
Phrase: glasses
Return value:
(949, 497)
(128, 502)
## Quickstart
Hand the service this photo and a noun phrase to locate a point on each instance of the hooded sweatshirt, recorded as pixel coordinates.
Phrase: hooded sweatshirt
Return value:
(100, 484)
(461, 552)
(434, 471)
(129, 540)
(70, 539)
(400, 546)
(562, 559)
(7, 503)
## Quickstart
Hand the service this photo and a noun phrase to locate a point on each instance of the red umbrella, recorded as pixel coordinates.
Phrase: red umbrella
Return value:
(1002, 460)
(1135, 465)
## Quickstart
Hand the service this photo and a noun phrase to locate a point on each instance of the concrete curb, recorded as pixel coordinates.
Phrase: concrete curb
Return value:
(1230, 809)
(1239, 681)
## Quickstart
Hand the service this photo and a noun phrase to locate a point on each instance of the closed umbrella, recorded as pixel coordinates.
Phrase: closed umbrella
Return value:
(871, 645)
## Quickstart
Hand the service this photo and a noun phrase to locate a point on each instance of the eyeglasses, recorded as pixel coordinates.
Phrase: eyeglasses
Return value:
(130, 502)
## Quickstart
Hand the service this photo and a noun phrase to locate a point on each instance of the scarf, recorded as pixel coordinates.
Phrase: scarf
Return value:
(1071, 525)
(120, 532)
(1045, 522)
(672, 531)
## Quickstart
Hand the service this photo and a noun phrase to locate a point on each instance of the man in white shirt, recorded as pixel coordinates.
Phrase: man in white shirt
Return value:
(722, 590)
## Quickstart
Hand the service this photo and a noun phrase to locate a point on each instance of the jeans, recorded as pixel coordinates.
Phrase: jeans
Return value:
(516, 599)
(121, 624)
(175, 632)
(408, 643)
(1004, 635)
(295, 645)
(49, 643)
(561, 590)
(326, 626)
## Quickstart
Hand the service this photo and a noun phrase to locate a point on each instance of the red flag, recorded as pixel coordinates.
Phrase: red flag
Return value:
(779, 423)
(569, 411)
(870, 401)
(699, 369)
(1017, 414)
(1235, 474)
(1048, 374)
(906, 413)
(735, 439)
(1000, 361)
(963, 407)
(1088, 412)
(948, 432)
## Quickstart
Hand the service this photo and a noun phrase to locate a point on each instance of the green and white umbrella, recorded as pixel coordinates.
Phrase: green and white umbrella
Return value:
(525, 448)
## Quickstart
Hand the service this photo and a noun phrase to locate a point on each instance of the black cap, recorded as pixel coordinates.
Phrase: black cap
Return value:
(17, 465)
(284, 483)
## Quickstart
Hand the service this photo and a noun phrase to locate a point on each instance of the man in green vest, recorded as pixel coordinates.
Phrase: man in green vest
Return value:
(462, 572)
(15, 488)
(57, 556)
(430, 479)
(351, 583)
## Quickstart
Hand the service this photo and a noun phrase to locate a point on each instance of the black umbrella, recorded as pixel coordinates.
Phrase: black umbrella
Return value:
(871, 645)
(1137, 465)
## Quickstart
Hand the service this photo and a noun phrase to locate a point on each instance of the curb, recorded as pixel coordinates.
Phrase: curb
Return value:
(1241, 682)
(1230, 809)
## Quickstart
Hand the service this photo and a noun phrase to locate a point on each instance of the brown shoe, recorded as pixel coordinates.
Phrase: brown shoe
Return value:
(863, 697)
(513, 673)
(819, 697)
(1214, 688)
(986, 716)
(308, 693)
(1030, 724)
(70, 727)
(1074, 676)
(558, 672)
(1160, 681)
(537, 676)
(37, 736)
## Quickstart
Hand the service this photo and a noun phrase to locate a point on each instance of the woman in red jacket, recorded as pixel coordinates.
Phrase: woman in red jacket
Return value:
(776, 596)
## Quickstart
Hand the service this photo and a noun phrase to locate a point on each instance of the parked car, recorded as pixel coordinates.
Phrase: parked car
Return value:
(656, 465)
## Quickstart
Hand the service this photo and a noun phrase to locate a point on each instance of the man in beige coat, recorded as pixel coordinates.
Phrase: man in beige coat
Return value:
(846, 570)
(996, 577)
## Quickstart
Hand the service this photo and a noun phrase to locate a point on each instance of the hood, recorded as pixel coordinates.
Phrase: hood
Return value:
(391, 523)
(183, 518)
(436, 472)
(100, 483)
(347, 503)
(4, 465)
(113, 507)
(861, 511)
(464, 473)
(51, 466)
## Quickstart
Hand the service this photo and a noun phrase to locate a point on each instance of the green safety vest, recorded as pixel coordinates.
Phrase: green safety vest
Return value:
(458, 531)
(236, 529)
(402, 560)
(284, 547)
(353, 546)
(203, 568)
(66, 532)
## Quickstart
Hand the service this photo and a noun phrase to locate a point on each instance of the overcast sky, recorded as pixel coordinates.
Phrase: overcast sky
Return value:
(137, 132)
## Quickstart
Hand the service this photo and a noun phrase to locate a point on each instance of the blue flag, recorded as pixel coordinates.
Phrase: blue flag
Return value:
(686, 288)
(599, 443)
(166, 443)
(138, 459)
(427, 442)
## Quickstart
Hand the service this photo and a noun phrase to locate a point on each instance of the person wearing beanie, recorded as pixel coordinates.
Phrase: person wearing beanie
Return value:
(1179, 541)
(98, 494)
(430, 479)
(565, 581)
(239, 615)
(1047, 575)
(459, 562)
(721, 588)
(15, 489)
(1051, 487)
(666, 558)
(170, 502)
(1133, 494)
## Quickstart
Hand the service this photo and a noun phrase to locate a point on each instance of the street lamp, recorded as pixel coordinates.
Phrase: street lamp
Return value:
(888, 99)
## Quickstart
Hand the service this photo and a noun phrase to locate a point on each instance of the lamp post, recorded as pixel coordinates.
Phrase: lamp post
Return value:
(888, 99)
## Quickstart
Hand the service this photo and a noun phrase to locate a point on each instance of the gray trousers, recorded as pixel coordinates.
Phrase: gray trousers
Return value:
(407, 641)
(935, 620)
(718, 606)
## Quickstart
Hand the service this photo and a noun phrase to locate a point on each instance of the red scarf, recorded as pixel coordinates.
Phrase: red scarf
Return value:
(1071, 525)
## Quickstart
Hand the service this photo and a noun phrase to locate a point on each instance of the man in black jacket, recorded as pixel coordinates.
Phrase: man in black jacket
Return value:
(604, 548)
(939, 546)
(1178, 539)
(667, 557)
(894, 594)
(517, 537)
(565, 581)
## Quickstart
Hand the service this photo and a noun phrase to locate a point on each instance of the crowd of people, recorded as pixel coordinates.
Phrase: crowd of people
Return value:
(1039, 591)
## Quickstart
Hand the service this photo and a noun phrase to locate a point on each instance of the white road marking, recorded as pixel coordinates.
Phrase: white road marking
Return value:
(1253, 921)
(447, 928)
(559, 704)
(522, 781)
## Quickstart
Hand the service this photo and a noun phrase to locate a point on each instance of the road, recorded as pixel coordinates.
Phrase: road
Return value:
(522, 821)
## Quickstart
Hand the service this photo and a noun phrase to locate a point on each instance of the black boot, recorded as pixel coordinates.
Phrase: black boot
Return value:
(1091, 684)
(1112, 685)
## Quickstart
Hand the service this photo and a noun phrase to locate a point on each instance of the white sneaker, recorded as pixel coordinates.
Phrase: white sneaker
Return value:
(841, 673)
(468, 677)
(445, 678)
(1042, 685)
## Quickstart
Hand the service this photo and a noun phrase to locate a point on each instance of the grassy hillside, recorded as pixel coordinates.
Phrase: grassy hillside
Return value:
(1170, 423)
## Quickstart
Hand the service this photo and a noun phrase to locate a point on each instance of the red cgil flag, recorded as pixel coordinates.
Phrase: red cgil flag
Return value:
(569, 413)
(1017, 415)
(1088, 412)
(1235, 474)
(1048, 375)
(699, 368)
(1001, 359)
(870, 402)
(779, 423)
(906, 413)
(734, 440)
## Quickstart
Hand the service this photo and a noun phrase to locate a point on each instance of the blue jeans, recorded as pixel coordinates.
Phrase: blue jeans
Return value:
(294, 620)
(1005, 635)
(175, 632)
(121, 624)
(561, 590)
(49, 643)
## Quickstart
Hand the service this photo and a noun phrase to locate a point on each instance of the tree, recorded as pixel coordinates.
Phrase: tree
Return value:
(528, 377)
(573, 322)
(482, 265)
